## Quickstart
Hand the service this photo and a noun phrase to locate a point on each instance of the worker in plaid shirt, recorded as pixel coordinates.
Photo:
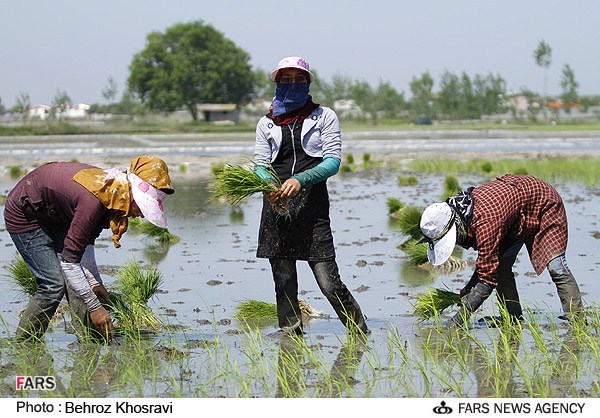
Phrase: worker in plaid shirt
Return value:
(496, 219)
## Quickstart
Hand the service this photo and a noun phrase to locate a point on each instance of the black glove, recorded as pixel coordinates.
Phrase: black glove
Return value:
(472, 282)
(470, 302)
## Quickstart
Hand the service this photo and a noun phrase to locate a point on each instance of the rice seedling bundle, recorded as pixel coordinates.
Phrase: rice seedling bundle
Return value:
(394, 205)
(256, 309)
(162, 235)
(236, 182)
(136, 287)
(409, 219)
(433, 302)
(21, 276)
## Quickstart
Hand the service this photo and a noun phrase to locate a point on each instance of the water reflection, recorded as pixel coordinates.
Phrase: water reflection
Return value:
(292, 366)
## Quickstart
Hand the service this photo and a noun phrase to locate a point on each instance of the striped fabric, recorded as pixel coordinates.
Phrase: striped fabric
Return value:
(513, 208)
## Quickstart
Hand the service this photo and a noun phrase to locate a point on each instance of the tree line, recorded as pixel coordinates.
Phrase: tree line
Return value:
(192, 63)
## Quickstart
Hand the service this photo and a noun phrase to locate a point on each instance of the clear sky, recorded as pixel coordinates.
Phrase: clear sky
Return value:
(75, 46)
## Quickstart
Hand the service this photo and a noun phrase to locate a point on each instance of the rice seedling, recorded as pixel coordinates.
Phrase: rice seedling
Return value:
(408, 220)
(135, 287)
(20, 275)
(416, 252)
(585, 169)
(394, 205)
(433, 302)
(407, 180)
(263, 313)
(256, 310)
(15, 171)
(451, 187)
(161, 235)
(235, 183)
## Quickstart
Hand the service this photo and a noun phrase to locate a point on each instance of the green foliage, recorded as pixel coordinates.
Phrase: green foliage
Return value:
(256, 309)
(135, 287)
(236, 182)
(22, 103)
(422, 96)
(585, 169)
(350, 159)
(138, 285)
(487, 167)
(569, 88)
(407, 180)
(60, 103)
(190, 63)
(451, 187)
(15, 171)
(408, 220)
(21, 276)
(162, 235)
(432, 302)
(394, 204)
(417, 253)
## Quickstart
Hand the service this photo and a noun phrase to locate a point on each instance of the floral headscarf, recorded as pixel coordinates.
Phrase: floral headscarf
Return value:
(113, 188)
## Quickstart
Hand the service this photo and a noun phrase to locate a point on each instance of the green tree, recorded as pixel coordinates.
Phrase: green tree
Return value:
(190, 63)
(422, 97)
(569, 88)
(60, 103)
(543, 58)
(2, 108)
(264, 88)
(388, 102)
(22, 104)
(450, 96)
(364, 96)
(340, 88)
(109, 92)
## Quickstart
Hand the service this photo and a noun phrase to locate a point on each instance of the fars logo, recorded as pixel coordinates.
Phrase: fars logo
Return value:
(35, 383)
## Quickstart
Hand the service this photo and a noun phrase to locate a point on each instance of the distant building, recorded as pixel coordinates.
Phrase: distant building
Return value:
(215, 112)
(41, 112)
(76, 111)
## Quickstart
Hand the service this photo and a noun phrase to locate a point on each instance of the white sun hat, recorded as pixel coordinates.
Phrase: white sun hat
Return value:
(292, 62)
(439, 228)
(149, 200)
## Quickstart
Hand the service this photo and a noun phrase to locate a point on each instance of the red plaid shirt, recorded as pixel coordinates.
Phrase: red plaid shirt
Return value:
(513, 208)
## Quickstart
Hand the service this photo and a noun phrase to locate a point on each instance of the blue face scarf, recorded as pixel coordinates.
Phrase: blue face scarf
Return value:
(289, 97)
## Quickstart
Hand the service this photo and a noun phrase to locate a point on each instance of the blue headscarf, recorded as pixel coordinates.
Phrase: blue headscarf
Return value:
(289, 97)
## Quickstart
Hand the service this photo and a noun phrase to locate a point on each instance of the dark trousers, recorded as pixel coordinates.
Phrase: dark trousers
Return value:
(327, 275)
(566, 285)
(38, 251)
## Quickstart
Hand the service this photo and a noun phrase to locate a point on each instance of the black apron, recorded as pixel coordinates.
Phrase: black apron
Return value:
(306, 233)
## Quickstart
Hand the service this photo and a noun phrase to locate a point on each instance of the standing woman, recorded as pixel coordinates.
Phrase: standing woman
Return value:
(54, 215)
(301, 140)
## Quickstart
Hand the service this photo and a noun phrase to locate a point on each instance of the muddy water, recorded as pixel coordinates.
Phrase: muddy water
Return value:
(214, 266)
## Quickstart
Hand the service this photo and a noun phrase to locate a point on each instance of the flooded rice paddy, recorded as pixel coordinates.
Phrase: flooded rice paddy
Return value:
(205, 352)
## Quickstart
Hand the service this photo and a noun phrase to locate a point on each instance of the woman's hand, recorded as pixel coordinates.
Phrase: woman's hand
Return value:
(101, 292)
(290, 188)
(101, 321)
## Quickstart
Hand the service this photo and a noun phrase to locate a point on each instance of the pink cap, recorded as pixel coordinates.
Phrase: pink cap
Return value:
(292, 62)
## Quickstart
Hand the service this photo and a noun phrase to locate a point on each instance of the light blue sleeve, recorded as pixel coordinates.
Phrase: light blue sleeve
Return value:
(263, 173)
(327, 168)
